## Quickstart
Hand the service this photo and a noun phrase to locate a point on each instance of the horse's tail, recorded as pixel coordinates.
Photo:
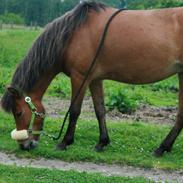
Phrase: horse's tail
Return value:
(48, 49)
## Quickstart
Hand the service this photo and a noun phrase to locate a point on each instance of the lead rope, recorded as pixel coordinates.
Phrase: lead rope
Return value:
(86, 76)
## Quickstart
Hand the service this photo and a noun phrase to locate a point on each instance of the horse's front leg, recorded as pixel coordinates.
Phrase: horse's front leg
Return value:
(167, 144)
(76, 81)
(98, 100)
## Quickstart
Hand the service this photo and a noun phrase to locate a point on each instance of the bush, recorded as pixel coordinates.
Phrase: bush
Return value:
(10, 18)
(170, 85)
(123, 101)
(171, 3)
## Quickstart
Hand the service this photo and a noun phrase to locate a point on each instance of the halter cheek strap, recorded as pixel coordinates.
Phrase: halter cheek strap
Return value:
(36, 114)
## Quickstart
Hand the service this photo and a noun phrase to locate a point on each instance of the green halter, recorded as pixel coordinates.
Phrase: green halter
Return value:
(36, 114)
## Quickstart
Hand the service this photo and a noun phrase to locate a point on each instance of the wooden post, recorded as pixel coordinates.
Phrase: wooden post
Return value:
(35, 26)
(31, 25)
(1, 25)
(11, 25)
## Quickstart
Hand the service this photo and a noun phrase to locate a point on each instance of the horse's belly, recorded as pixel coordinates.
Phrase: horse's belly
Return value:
(143, 75)
(137, 79)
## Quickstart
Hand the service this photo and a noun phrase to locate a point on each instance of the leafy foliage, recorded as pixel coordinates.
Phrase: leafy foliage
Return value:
(9, 18)
(166, 85)
(122, 101)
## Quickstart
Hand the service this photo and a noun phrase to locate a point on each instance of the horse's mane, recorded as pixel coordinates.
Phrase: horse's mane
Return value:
(48, 49)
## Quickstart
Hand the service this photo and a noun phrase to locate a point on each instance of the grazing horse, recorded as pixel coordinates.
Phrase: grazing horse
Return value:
(140, 47)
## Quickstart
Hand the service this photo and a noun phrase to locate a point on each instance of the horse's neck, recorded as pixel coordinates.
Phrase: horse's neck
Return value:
(41, 86)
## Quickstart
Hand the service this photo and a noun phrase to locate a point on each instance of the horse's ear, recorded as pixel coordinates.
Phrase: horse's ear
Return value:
(13, 91)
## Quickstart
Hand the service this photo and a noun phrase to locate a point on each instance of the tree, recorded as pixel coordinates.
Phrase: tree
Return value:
(44, 11)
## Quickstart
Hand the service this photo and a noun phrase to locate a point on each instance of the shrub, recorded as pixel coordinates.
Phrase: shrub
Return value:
(170, 85)
(123, 101)
(9, 18)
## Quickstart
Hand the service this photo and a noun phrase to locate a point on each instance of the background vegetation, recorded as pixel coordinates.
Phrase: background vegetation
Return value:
(42, 12)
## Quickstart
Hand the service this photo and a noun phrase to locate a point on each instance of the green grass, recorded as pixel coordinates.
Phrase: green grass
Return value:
(132, 143)
(14, 45)
(13, 174)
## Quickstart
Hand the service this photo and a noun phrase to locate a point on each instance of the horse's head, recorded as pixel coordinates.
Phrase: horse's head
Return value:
(29, 114)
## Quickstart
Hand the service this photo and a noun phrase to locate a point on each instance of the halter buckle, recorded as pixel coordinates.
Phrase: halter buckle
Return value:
(27, 99)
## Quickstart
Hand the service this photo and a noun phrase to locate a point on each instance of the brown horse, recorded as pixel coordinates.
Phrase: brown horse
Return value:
(140, 47)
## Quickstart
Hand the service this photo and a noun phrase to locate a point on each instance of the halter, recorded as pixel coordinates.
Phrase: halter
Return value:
(36, 114)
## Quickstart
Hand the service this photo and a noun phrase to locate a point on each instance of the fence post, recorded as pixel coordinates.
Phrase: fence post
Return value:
(1, 25)
(31, 24)
(35, 26)
(11, 25)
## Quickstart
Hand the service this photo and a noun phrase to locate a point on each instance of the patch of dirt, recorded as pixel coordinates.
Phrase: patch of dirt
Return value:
(56, 107)
(107, 170)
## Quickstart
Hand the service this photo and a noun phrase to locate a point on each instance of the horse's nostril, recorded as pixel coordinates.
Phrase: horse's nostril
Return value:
(24, 147)
(28, 145)
(33, 144)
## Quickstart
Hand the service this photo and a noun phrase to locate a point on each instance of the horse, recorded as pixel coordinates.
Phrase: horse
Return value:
(141, 46)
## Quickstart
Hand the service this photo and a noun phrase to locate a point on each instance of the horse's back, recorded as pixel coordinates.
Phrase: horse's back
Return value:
(138, 44)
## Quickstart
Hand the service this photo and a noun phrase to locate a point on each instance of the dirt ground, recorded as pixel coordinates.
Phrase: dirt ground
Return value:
(56, 107)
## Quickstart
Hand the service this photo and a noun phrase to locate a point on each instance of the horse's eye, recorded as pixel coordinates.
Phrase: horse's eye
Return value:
(19, 114)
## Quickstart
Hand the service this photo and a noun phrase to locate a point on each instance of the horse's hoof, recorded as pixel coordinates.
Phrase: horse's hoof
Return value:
(169, 149)
(99, 148)
(62, 147)
(158, 152)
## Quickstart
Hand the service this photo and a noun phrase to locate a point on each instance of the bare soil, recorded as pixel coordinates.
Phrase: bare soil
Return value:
(56, 107)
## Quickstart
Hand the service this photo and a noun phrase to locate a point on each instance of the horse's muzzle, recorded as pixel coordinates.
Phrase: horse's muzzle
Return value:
(28, 145)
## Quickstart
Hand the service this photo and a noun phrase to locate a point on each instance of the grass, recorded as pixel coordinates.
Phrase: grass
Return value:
(13, 174)
(14, 45)
(132, 143)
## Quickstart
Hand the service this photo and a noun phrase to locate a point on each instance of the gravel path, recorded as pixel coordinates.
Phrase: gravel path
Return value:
(107, 170)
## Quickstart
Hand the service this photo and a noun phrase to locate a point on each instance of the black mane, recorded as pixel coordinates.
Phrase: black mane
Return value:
(48, 49)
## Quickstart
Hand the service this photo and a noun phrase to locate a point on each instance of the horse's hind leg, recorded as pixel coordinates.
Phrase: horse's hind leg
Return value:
(98, 100)
(167, 144)
(76, 80)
